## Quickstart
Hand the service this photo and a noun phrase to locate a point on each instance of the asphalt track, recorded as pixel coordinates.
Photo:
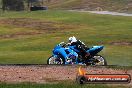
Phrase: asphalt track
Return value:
(105, 12)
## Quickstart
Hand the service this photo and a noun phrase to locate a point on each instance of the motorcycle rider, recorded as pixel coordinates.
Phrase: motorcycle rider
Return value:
(79, 45)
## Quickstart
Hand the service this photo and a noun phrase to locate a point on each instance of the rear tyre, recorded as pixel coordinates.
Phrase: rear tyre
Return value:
(55, 60)
(100, 60)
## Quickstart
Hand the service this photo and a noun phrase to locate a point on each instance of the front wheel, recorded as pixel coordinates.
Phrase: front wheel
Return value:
(99, 60)
(55, 60)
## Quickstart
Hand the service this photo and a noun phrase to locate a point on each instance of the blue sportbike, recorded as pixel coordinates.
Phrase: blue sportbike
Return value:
(65, 54)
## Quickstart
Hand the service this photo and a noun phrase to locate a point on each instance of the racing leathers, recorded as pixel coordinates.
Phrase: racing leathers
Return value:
(81, 47)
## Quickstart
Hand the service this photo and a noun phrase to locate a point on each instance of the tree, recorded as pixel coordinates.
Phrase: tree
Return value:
(16, 5)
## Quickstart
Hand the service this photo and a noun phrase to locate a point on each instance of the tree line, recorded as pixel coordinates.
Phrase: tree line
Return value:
(19, 5)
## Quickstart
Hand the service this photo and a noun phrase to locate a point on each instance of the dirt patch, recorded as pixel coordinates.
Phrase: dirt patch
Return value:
(35, 24)
(45, 74)
(38, 26)
(121, 43)
(93, 5)
(19, 34)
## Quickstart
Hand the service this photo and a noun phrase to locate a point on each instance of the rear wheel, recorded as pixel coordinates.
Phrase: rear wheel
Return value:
(99, 60)
(55, 60)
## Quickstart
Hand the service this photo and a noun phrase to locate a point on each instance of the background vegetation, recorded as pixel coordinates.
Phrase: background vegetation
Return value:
(114, 32)
(29, 37)
(103, 5)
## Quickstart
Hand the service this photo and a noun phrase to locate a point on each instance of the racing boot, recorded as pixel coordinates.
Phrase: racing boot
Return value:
(87, 58)
(87, 55)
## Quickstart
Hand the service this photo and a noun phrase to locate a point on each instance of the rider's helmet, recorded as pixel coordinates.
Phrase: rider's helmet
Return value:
(72, 39)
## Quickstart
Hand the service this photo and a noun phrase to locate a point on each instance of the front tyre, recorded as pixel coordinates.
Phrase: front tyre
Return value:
(100, 60)
(55, 60)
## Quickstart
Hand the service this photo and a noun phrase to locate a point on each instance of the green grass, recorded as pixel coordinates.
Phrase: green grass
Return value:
(93, 29)
(59, 85)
